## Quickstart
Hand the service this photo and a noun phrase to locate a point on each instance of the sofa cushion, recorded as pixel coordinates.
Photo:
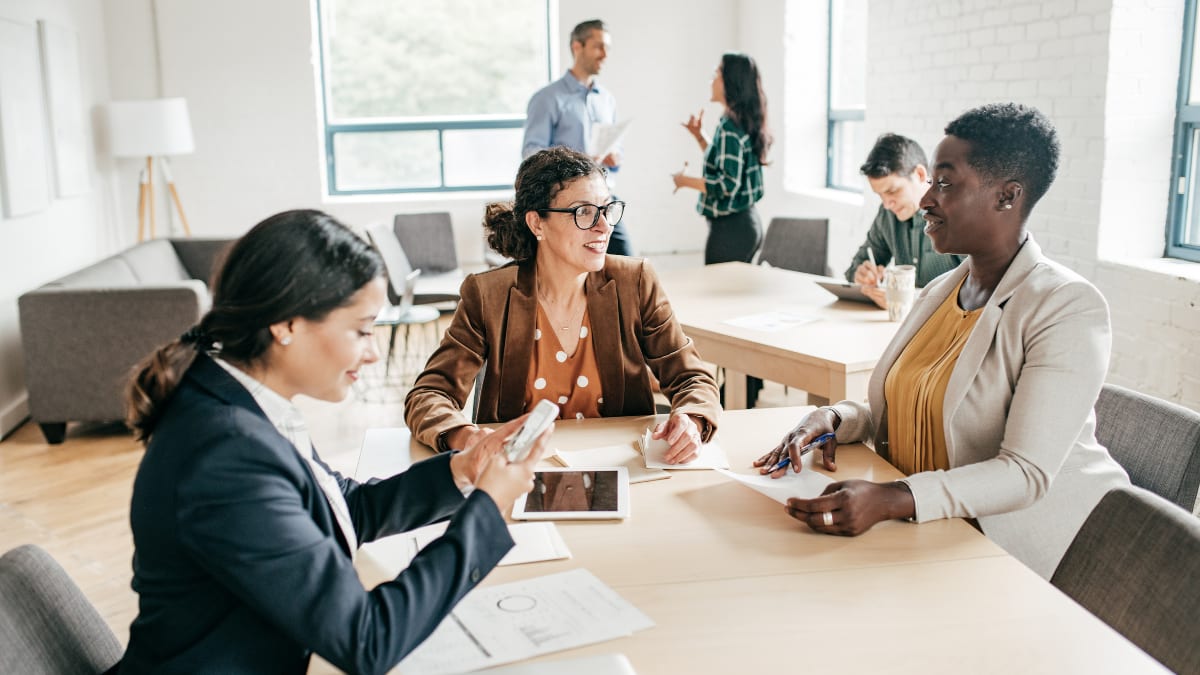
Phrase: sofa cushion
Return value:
(155, 262)
(112, 272)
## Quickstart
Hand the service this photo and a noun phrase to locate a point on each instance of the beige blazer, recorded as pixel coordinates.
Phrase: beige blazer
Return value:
(634, 333)
(1018, 414)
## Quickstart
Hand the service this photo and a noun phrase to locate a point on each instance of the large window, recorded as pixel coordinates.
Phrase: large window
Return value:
(1183, 225)
(846, 143)
(428, 95)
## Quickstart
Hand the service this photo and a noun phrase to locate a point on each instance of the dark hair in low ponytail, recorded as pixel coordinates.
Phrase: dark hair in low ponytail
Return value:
(295, 264)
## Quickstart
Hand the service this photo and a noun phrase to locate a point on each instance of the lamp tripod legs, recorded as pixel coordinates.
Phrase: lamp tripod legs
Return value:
(166, 168)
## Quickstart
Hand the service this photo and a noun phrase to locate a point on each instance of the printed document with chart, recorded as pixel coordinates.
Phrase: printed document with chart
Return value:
(510, 622)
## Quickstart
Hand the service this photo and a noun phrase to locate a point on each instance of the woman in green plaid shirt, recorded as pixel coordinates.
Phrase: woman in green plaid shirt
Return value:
(733, 161)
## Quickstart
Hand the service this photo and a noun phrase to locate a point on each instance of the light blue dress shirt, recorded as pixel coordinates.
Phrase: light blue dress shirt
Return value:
(563, 112)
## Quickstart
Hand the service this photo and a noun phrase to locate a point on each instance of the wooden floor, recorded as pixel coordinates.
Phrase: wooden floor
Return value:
(73, 499)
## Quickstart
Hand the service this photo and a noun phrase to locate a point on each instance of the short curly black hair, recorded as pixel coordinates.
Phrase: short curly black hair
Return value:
(542, 176)
(1010, 141)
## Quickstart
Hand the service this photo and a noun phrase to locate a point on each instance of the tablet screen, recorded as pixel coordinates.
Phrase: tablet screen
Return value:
(573, 491)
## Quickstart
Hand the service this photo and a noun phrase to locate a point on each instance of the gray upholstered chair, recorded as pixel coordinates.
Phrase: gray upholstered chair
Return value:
(1135, 564)
(81, 334)
(428, 241)
(46, 623)
(797, 244)
(1156, 441)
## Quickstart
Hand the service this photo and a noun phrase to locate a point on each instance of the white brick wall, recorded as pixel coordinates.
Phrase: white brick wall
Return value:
(1105, 71)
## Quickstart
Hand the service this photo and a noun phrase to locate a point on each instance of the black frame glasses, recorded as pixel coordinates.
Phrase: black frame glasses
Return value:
(606, 210)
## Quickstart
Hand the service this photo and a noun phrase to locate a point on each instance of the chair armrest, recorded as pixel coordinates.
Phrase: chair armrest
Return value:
(80, 344)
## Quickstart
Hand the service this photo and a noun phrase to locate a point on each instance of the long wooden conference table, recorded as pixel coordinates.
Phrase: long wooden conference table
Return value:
(831, 356)
(736, 586)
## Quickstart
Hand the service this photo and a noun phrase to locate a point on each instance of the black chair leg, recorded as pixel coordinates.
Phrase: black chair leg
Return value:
(55, 432)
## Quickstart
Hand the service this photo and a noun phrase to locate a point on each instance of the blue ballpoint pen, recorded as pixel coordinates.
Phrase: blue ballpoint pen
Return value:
(819, 440)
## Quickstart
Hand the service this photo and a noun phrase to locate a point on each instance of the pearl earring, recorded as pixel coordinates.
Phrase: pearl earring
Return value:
(285, 341)
(540, 237)
(1008, 206)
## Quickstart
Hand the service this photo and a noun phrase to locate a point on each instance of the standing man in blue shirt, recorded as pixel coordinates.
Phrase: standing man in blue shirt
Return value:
(563, 112)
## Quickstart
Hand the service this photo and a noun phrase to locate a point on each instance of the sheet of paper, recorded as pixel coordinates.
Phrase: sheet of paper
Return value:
(510, 622)
(535, 542)
(605, 138)
(611, 455)
(384, 453)
(711, 456)
(806, 484)
(776, 320)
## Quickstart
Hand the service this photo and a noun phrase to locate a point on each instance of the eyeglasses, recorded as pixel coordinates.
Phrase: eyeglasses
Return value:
(587, 215)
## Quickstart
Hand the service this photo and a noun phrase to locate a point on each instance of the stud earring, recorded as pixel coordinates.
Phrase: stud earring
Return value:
(285, 341)
(540, 237)
(1008, 206)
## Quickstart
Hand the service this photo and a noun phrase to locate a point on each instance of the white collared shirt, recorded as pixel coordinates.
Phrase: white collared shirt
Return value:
(289, 421)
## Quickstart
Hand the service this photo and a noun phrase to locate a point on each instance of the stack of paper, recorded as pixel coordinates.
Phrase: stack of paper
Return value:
(610, 455)
(535, 542)
(510, 622)
(711, 456)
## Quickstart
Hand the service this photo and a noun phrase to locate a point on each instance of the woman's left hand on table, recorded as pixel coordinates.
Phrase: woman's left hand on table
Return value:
(851, 507)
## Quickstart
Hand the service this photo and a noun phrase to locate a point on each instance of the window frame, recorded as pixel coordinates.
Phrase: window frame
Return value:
(1187, 124)
(835, 116)
(440, 124)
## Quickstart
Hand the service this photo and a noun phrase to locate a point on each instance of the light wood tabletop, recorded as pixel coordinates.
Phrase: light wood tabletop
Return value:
(735, 585)
(830, 356)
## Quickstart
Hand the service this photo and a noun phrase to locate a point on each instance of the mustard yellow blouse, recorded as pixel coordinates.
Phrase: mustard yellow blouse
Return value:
(915, 388)
(570, 380)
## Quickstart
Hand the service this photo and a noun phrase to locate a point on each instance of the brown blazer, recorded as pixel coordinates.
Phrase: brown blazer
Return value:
(634, 333)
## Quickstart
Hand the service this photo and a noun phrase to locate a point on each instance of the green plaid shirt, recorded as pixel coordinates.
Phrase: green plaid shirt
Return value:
(906, 243)
(732, 175)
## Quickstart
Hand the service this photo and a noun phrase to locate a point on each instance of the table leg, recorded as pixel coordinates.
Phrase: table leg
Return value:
(735, 390)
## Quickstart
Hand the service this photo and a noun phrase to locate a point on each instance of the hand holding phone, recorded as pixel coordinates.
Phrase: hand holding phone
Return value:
(543, 415)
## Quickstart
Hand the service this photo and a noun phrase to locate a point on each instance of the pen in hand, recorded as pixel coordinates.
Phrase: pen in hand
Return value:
(787, 460)
(676, 175)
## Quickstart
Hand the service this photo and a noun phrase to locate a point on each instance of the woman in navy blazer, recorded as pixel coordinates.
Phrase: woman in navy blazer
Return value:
(244, 540)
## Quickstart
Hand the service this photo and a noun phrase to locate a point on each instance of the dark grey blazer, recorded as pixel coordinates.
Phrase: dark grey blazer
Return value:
(240, 566)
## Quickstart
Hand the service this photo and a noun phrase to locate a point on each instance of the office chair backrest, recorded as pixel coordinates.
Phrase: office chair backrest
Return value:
(797, 244)
(1156, 441)
(395, 261)
(1135, 564)
(428, 239)
(46, 623)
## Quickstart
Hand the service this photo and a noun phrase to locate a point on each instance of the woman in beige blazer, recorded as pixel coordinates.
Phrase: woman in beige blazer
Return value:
(609, 309)
(1016, 419)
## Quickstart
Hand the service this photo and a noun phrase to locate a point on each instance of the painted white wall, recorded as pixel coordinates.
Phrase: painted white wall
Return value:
(73, 231)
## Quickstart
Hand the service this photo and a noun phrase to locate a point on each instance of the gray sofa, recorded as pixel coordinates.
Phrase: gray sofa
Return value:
(82, 334)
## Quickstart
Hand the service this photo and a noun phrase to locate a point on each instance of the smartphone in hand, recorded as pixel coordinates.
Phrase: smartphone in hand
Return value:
(543, 415)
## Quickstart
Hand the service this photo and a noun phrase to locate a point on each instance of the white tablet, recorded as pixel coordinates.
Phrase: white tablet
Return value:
(574, 493)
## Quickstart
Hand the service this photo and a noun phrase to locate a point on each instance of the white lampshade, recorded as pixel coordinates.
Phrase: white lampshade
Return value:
(153, 128)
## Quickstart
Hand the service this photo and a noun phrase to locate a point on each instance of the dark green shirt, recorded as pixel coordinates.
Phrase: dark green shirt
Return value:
(906, 243)
(733, 178)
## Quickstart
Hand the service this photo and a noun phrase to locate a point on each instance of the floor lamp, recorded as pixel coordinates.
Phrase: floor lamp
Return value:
(149, 129)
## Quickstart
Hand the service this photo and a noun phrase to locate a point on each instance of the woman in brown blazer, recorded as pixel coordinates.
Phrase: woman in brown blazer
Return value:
(564, 322)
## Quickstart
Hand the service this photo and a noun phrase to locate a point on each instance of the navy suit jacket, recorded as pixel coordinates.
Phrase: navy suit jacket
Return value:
(240, 566)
